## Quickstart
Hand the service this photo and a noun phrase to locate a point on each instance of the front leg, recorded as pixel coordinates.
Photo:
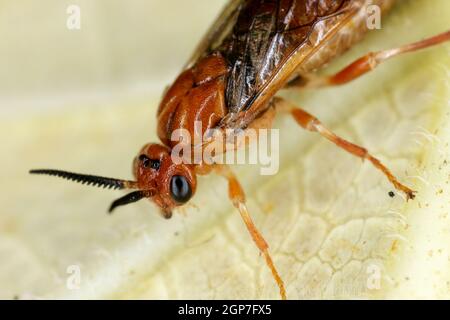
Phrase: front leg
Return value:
(311, 123)
(237, 197)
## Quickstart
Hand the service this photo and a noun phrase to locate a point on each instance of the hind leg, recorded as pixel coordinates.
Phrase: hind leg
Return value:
(365, 64)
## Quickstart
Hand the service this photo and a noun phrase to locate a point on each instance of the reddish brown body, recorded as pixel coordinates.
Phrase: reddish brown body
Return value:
(254, 49)
(197, 95)
(257, 49)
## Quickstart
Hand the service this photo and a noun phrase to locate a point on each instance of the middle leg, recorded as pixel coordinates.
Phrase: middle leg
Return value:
(311, 123)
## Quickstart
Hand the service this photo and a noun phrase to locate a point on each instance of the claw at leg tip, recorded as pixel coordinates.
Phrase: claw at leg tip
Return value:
(410, 195)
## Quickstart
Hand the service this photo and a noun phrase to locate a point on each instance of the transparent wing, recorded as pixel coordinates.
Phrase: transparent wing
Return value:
(265, 41)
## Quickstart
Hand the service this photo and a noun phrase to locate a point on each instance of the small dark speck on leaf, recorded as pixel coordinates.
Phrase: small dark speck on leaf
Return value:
(391, 194)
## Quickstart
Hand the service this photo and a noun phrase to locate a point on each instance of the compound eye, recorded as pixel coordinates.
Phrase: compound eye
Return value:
(180, 189)
(149, 163)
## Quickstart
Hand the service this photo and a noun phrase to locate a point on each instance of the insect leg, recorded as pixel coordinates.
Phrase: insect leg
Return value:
(365, 64)
(311, 123)
(237, 196)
